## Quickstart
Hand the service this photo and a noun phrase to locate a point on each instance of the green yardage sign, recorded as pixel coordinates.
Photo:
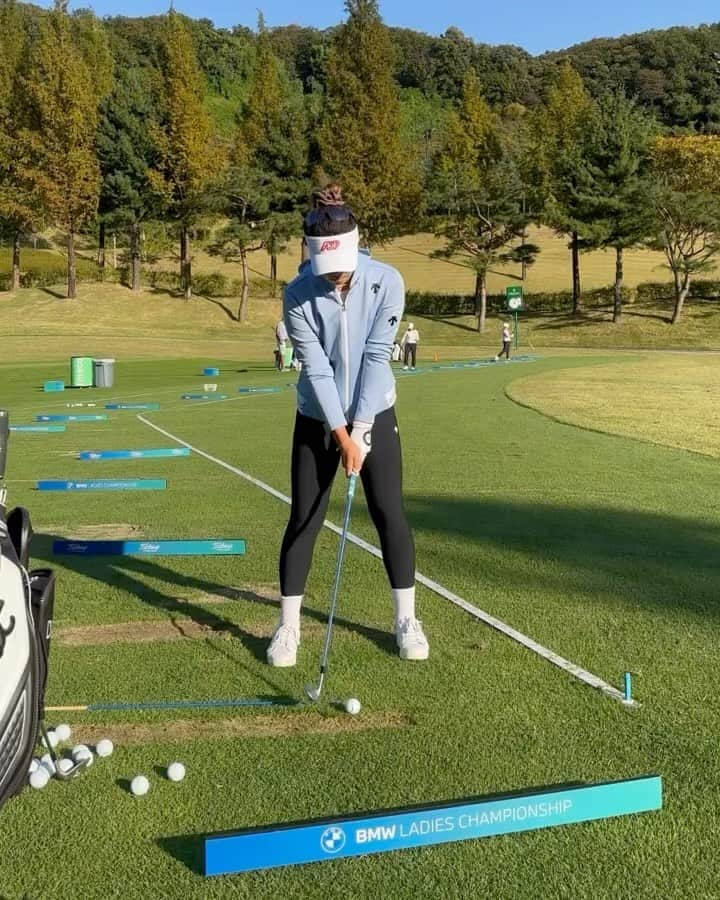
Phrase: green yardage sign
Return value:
(514, 297)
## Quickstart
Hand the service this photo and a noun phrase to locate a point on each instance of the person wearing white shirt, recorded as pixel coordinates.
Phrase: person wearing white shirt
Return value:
(409, 344)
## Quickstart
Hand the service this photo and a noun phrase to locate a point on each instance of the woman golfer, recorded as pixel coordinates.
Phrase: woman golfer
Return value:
(342, 313)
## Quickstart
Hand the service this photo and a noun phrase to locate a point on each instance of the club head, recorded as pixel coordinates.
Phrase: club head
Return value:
(79, 767)
(312, 693)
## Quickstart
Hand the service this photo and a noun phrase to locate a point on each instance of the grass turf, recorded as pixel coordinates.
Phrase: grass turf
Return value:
(671, 400)
(603, 548)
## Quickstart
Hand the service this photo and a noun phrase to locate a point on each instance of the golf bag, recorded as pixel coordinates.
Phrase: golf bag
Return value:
(26, 610)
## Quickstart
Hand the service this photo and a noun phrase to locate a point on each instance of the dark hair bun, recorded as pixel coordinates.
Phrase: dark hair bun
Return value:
(326, 221)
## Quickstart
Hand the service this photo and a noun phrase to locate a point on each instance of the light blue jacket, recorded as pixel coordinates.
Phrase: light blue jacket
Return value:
(345, 345)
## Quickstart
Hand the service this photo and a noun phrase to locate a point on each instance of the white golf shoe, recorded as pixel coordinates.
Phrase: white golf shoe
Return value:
(282, 652)
(411, 639)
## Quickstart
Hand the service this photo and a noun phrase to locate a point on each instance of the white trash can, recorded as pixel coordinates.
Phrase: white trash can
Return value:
(103, 372)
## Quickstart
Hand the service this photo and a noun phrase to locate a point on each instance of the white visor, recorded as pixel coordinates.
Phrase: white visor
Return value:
(335, 253)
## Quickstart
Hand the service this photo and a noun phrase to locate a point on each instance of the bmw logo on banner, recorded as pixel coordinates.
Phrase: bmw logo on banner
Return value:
(332, 840)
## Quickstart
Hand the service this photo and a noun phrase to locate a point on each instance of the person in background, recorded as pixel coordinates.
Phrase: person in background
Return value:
(409, 343)
(507, 337)
(281, 339)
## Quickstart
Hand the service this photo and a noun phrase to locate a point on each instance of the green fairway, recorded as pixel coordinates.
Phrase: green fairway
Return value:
(605, 549)
(669, 400)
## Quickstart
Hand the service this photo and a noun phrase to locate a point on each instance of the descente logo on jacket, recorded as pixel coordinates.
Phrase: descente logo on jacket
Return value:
(327, 246)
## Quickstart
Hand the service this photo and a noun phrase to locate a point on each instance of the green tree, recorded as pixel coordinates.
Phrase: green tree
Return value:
(63, 100)
(20, 206)
(617, 194)
(480, 191)
(360, 136)
(127, 155)
(688, 208)
(556, 163)
(189, 158)
(273, 130)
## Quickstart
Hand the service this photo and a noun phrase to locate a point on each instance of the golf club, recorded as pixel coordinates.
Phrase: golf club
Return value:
(313, 693)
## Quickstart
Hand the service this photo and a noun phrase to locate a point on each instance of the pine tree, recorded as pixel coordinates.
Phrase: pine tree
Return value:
(478, 186)
(63, 124)
(267, 178)
(189, 159)
(127, 154)
(360, 136)
(556, 161)
(618, 192)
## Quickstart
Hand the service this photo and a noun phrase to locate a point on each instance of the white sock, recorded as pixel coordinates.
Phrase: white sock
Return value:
(290, 611)
(404, 603)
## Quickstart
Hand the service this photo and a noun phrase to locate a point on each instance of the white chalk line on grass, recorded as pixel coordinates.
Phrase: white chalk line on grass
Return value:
(571, 668)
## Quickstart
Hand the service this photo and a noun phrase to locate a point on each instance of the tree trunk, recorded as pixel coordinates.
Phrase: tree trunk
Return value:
(101, 245)
(483, 302)
(273, 273)
(71, 273)
(682, 289)
(185, 263)
(135, 268)
(575, 273)
(618, 294)
(476, 297)
(15, 262)
(242, 309)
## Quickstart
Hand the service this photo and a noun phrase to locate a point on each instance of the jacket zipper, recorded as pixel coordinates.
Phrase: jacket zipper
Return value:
(346, 351)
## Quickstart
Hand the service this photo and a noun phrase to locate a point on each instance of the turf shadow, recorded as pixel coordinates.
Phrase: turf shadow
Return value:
(187, 849)
(124, 573)
(650, 558)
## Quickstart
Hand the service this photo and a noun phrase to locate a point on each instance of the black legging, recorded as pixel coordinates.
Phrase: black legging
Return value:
(410, 351)
(315, 460)
(505, 350)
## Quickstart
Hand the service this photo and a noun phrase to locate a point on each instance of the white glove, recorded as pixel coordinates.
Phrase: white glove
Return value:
(361, 436)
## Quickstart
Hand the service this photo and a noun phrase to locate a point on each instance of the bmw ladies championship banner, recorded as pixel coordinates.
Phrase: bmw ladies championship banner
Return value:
(320, 841)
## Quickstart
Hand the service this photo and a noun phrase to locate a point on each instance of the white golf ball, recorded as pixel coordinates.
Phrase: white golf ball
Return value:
(79, 748)
(47, 763)
(34, 766)
(84, 755)
(52, 740)
(176, 771)
(139, 786)
(39, 778)
(64, 765)
(64, 733)
(352, 706)
(104, 747)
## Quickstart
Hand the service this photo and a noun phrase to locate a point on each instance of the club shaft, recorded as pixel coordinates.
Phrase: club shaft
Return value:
(338, 571)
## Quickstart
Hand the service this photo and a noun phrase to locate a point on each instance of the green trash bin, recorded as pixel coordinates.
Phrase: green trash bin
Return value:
(104, 372)
(81, 371)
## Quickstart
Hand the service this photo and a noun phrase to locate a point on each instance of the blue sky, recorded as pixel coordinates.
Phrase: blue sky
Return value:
(536, 25)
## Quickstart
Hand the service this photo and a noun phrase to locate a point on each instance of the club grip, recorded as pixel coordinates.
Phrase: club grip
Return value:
(352, 484)
(4, 435)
